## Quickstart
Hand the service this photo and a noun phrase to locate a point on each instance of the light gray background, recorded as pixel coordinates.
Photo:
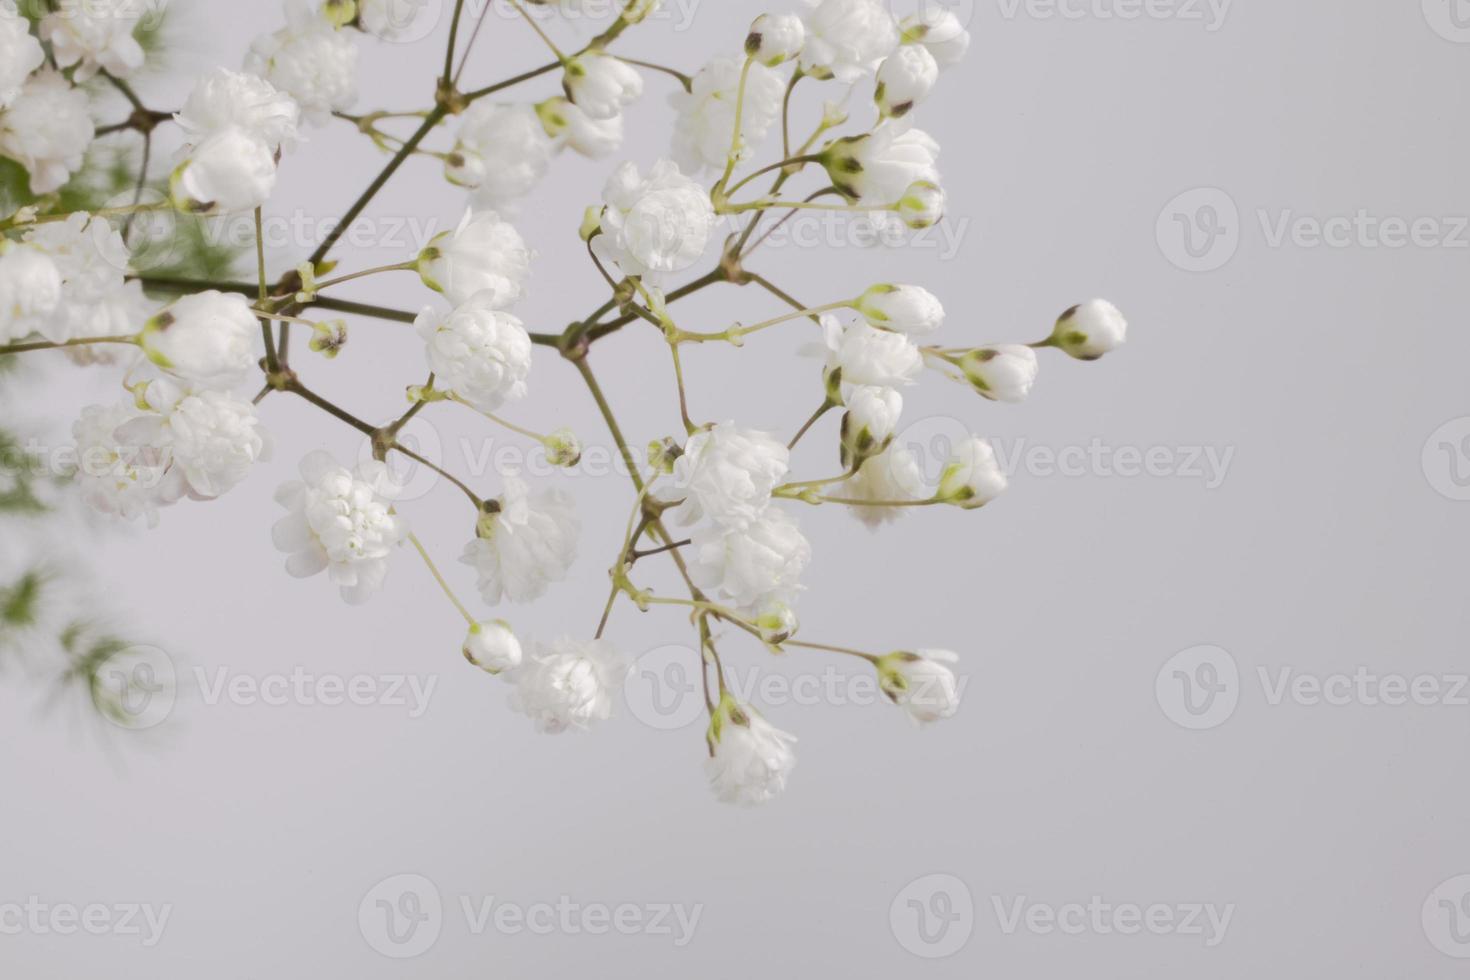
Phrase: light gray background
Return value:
(1327, 547)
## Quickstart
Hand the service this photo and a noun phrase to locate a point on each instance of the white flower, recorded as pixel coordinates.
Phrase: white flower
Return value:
(117, 477)
(223, 99)
(388, 19)
(480, 353)
(483, 255)
(880, 168)
(20, 54)
(30, 290)
(869, 423)
(341, 522)
(750, 759)
(95, 300)
(922, 683)
(866, 355)
(908, 309)
(726, 474)
(212, 440)
(972, 477)
(922, 204)
(775, 38)
(1091, 330)
(751, 566)
(492, 647)
(573, 129)
(94, 35)
(524, 546)
(846, 39)
(230, 171)
(904, 79)
(207, 338)
(892, 475)
(309, 60)
(601, 85)
(706, 120)
(501, 151)
(661, 224)
(937, 28)
(1003, 373)
(47, 129)
(569, 684)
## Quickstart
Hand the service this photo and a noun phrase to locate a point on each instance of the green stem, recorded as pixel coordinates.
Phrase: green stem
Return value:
(54, 345)
(438, 577)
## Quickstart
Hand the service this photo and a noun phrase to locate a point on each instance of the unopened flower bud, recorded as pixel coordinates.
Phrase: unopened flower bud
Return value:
(908, 309)
(662, 453)
(868, 426)
(972, 477)
(904, 79)
(922, 205)
(562, 448)
(591, 223)
(777, 623)
(328, 337)
(775, 38)
(340, 13)
(1004, 373)
(600, 84)
(1090, 330)
(492, 647)
(921, 683)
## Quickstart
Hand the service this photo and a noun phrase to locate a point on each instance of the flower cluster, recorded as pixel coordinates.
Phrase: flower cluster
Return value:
(716, 501)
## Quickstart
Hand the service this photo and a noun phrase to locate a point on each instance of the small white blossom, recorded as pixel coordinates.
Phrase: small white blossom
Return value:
(492, 647)
(501, 152)
(880, 168)
(309, 60)
(1090, 330)
(754, 565)
(116, 476)
(569, 684)
(223, 99)
(341, 521)
(726, 474)
(211, 439)
(47, 129)
(892, 475)
(96, 301)
(972, 477)
(870, 422)
(480, 353)
(775, 38)
(922, 683)
(30, 290)
(922, 205)
(572, 129)
(230, 171)
(846, 39)
(1003, 373)
(483, 255)
(908, 309)
(20, 54)
(525, 545)
(706, 114)
(939, 30)
(95, 35)
(601, 85)
(207, 338)
(750, 759)
(866, 355)
(904, 79)
(658, 225)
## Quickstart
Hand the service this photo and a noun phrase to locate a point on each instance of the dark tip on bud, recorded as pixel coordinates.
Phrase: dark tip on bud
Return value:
(163, 321)
(752, 43)
(1071, 312)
